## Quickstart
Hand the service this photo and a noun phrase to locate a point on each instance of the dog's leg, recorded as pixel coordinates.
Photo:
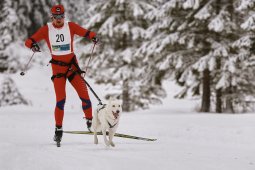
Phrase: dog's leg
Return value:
(111, 134)
(95, 125)
(104, 135)
(95, 137)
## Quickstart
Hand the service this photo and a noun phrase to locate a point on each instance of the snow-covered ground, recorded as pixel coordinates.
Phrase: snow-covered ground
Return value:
(186, 140)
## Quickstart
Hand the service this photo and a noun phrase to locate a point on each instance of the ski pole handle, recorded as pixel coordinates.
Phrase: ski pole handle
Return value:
(26, 67)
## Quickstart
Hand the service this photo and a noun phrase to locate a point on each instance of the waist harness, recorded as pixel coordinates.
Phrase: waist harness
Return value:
(69, 65)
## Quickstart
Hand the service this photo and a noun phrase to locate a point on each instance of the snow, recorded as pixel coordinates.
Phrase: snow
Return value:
(137, 33)
(138, 11)
(185, 139)
(171, 38)
(244, 41)
(223, 82)
(249, 23)
(245, 4)
(127, 55)
(108, 26)
(203, 14)
(123, 27)
(216, 24)
(170, 4)
(191, 4)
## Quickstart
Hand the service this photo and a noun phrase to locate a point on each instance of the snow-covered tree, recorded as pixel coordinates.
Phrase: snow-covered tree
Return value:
(8, 26)
(243, 66)
(192, 40)
(9, 93)
(31, 15)
(77, 11)
(168, 52)
(121, 26)
(216, 21)
(19, 20)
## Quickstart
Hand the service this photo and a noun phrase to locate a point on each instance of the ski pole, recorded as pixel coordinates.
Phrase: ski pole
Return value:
(99, 100)
(23, 72)
(89, 59)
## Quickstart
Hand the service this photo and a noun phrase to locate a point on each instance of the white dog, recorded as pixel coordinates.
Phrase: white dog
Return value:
(106, 118)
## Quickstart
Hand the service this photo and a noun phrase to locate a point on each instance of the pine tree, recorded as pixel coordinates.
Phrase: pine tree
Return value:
(19, 20)
(168, 49)
(77, 11)
(8, 26)
(193, 43)
(32, 15)
(217, 23)
(121, 25)
(9, 94)
(243, 65)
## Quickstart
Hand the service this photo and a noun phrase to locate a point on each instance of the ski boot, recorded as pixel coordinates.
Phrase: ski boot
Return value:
(89, 123)
(58, 135)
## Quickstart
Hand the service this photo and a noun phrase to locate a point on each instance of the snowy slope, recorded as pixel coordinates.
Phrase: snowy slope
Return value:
(186, 140)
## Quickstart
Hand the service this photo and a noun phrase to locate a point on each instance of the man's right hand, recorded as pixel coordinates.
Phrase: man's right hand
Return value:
(35, 47)
(95, 40)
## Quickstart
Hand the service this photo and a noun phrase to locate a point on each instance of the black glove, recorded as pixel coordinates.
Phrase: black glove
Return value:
(95, 40)
(35, 47)
(89, 123)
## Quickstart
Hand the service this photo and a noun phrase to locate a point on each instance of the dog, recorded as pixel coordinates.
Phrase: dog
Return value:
(106, 118)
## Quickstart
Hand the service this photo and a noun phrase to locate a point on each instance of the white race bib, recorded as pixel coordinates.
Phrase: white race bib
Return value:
(60, 39)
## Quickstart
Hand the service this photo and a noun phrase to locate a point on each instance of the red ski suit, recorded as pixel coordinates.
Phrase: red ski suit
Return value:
(60, 82)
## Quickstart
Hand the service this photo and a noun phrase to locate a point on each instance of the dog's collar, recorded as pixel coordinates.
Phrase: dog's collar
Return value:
(111, 126)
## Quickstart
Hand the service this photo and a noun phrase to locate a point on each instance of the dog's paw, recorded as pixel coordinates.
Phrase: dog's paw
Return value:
(96, 142)
(107, 143)
(112, 144)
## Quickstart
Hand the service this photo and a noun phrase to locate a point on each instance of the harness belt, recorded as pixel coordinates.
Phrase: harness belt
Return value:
(69, 65)
(112, 126)
(61, 63)
(104, 105)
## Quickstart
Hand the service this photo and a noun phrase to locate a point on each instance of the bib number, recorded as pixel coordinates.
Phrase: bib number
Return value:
(60, 38)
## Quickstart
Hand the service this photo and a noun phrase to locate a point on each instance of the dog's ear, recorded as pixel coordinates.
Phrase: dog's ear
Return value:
(111, 98)
(118, 97)
(107, 97)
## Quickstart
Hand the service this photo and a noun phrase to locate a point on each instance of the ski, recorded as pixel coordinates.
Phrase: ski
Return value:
(116, 134)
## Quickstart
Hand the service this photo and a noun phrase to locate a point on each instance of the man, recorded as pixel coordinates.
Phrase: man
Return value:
(59, 37)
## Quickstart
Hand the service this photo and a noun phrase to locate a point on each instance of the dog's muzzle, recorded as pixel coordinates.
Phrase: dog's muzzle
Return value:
(116, 114)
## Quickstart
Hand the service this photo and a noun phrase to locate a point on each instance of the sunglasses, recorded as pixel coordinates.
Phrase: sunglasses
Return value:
(58, 16)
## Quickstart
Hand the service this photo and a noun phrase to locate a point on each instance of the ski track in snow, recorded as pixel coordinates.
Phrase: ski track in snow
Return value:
(186, 140)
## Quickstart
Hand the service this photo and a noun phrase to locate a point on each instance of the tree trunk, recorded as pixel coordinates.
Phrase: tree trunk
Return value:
(229, 105)
(218, 91)
(206, 94)
(230, 90)
(218, 67)
(125, 96)
(218, 101)
(229, 101)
